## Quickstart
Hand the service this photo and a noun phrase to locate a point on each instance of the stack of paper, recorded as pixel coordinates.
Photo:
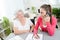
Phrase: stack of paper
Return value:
(30, 37)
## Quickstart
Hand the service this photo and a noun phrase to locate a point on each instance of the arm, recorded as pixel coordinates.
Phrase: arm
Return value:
(51, 27)
(16, 31)
(31, 25)
(36, 27)
(32, 28)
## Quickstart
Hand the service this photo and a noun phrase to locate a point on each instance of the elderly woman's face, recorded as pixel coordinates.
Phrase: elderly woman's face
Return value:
(20, 14)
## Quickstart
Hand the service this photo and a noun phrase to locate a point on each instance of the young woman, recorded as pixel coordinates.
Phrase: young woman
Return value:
(46, 21)
(22, 24)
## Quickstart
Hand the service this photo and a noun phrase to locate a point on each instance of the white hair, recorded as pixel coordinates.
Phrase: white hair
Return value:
(17, 13)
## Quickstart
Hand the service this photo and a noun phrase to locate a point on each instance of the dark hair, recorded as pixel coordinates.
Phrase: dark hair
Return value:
(48, 10)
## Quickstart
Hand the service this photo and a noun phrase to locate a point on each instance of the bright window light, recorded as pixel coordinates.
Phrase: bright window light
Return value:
(2, 8)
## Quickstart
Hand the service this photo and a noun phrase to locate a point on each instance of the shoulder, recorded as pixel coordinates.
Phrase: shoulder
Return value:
(27, 19)
(15, 21)
(54, 18)
(39, 18)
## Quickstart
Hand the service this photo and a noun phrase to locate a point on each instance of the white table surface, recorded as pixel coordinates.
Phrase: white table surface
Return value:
(56, 36)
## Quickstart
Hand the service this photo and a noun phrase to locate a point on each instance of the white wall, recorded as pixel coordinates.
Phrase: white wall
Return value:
(12, 6)
(36, 3)
(55, 3)
(9, 7)
(2, 8)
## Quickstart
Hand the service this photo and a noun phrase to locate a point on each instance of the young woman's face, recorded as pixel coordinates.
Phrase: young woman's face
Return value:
(43, 12)
(20, 14)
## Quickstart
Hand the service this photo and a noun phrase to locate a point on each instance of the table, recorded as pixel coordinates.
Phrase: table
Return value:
(55, 37)
(45, 35)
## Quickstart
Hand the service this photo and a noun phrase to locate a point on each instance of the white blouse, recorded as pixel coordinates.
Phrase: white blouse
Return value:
(27, 25)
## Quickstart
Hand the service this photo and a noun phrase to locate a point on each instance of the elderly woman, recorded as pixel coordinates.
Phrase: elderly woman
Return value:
(22, 24)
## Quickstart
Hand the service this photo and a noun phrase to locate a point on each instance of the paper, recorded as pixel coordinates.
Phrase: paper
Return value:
(16, 38)
(30, 37)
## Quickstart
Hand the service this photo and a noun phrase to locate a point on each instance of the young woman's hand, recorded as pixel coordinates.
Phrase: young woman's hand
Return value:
(46, 19)
(36, 36)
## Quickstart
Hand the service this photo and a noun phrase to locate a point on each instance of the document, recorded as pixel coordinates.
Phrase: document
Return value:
(31, 37)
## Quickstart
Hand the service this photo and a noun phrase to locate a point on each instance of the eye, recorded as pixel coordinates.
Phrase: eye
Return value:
(41, 12)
